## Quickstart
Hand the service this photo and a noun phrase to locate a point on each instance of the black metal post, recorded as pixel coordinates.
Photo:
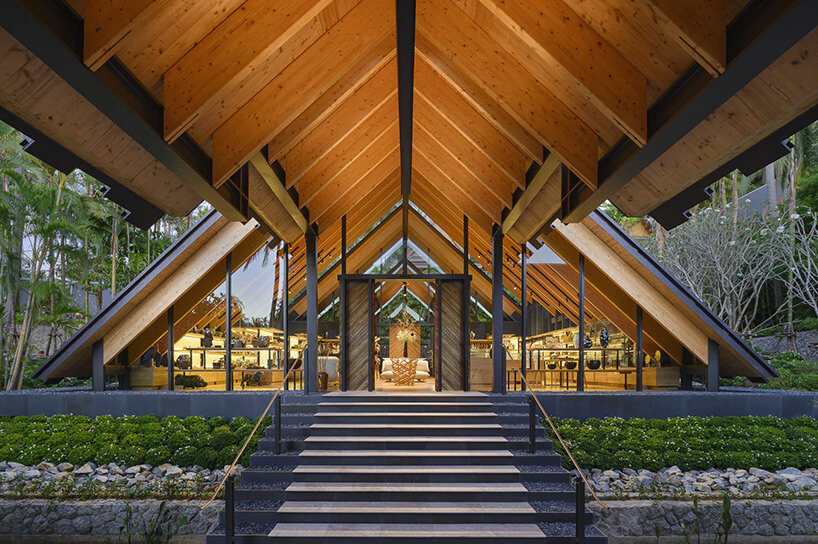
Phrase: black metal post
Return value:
(285, 310)
(466, 307)
(438, 332)
(171, 356)
(712, 365)
(310, 365)
(277, 423)
(371, 334)
(228, 323)
(532, 426)
(581, 295)
(97, 367)
(580, 529)
(640, 357)
(229, 508)
(497, 310)
(523, 310)
(686, 381)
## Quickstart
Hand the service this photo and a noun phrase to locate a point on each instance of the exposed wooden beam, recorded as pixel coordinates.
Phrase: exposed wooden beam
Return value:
(544, 173)
(505, 81)
(699, 27)
(558, 47)
(682, 116)
(276, 185)
(299, 85)
(108, 22)
(129, 108)
(258, 37)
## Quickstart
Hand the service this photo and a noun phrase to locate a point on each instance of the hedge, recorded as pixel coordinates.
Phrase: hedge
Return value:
(691, 443)
(209, 443)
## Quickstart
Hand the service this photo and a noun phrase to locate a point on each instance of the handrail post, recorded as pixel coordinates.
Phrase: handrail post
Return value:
(580, 508)
(229, 509)
(532, 437)
(277, 423)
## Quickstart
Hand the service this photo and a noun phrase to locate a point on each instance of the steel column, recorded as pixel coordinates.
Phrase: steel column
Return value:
(285, 310)
(640, 356)
(97, 367)
(171, 357)
(228, 323)
(713, 350)
(581, 296)
(466, 308)
(311, 362)
(497, 310)
(523, 309)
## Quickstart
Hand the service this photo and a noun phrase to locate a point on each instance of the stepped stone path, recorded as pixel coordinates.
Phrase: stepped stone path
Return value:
(405, 468)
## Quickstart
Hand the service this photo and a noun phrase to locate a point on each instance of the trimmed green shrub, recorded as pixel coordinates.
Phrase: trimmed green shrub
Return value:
(126, 440)
(691, 443)
(221, 439)
(227, 455)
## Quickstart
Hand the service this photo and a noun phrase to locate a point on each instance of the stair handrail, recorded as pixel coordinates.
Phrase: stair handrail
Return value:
(554, 428)
(249, 437)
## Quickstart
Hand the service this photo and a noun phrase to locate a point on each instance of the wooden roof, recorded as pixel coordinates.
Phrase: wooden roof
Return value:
(298, 112)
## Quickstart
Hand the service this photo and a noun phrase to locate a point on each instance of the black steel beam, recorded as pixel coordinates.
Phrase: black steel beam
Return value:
(405, 234)
(171, 341)
(53, 33)
(713, 373)
(97, 367)
(778, 25)
(405, 19)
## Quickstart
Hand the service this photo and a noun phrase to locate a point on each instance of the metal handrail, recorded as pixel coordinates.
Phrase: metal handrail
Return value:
(554, 428)
(252, 433)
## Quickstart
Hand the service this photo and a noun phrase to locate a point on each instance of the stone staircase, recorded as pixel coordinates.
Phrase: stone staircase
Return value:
(439, 467)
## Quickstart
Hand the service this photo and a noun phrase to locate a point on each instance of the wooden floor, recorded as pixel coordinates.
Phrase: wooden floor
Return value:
(419, 387)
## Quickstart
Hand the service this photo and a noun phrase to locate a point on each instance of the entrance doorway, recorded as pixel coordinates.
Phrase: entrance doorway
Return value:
(404, 333)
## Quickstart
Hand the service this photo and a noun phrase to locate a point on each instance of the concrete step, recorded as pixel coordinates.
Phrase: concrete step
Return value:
(406, 512)
(418, 474)
(263, 459)
(405, 406)
(385, 416)
(405, 442)
(411, 429)
(343, 533)
(409, 491)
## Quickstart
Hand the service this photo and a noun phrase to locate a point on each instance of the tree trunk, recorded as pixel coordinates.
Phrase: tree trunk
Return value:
(114, 245)
(772, 189)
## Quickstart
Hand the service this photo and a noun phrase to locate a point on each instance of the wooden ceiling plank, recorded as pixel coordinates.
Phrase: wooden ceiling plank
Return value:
(486, 194)
(372, 141)
(258, 37)
(453, 191)
(470, 92)
(562, 51)
(108, 22)
(299, 85)
(346, 87)
(503, 79)
(336, 205)
(446, 192)
(699, 27)
(377, 98)
(372, 161)
(499, 180)
(450, 104)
